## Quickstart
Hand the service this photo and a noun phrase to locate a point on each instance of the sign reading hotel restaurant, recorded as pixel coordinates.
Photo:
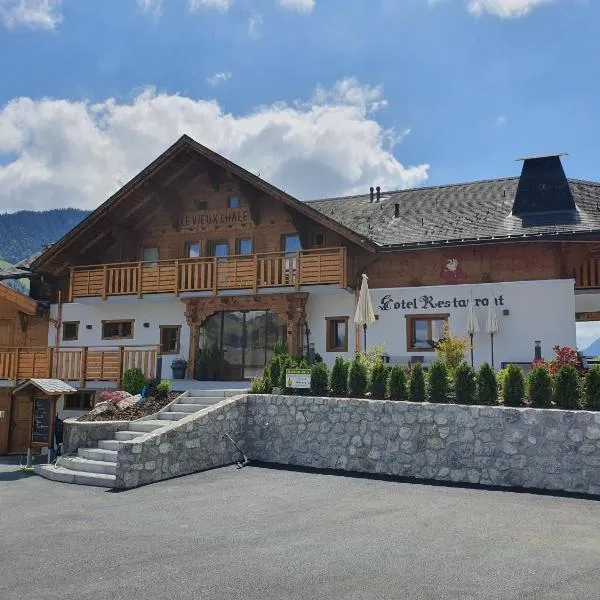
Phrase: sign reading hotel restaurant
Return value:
(42, 412)
(388, 302)
(214, 218)
(297, 378)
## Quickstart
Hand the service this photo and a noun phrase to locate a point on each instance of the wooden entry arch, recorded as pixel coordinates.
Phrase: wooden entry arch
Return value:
(290, 308)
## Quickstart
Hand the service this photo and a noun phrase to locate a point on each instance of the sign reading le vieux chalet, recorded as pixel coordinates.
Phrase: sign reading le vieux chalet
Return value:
(430, 302)
(212, 218)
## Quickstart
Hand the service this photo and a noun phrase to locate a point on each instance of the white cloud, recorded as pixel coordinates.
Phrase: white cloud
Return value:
(255, 23)
(151, 7)
(34, 14)
(501, 121)
(220, 5)
(69, 153)
(301, 6)
(505, 9)
(218, 79)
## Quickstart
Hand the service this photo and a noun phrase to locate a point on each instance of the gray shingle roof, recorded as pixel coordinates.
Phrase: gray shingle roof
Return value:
(451, 214)
(48, 386)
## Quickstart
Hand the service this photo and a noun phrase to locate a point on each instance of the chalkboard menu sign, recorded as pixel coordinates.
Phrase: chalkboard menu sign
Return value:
(42, 413)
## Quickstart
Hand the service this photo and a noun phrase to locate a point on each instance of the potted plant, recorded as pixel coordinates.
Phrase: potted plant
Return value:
(179, 367)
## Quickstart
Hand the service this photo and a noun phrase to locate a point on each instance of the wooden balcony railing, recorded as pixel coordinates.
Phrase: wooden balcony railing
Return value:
(77, 364)
(251, 271)
(587, 274)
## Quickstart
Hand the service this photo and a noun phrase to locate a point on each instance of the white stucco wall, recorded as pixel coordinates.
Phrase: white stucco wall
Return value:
(154, 310)
(538, 310)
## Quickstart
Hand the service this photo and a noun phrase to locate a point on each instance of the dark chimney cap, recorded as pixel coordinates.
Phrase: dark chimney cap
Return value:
(378, 189)
(396, 210)
(372, 190)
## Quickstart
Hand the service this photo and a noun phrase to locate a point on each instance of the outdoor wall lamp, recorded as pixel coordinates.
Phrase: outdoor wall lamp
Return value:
(88, 326)
(146, 325)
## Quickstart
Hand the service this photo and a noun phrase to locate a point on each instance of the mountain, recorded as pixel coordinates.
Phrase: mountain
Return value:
(593, 349)
(26, 232)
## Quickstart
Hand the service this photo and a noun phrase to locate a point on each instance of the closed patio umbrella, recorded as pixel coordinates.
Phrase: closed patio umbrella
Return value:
(364, 309)
(492, 326)
(472, 323)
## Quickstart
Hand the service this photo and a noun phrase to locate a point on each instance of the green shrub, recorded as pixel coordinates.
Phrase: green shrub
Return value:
(592, 389)
(416, 386)
(451, 350)
(397, 384)
(358, 379)
(133, 381)
(379, 381)
(539, 388)
(159, 389)
(464, 384)
(438, 383)
(487, 386)
(273, 370)
(513, 390)
(319, 379)
(339, 377)
(566, 388)
(372, 357)
(501, 376)
(261, 385)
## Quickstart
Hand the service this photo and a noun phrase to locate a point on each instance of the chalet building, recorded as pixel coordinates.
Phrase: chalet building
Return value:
(197, 258)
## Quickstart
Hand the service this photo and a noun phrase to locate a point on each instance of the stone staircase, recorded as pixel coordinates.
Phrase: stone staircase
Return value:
(97, 466)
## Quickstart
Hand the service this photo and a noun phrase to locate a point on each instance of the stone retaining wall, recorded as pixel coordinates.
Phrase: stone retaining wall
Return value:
(87, 434)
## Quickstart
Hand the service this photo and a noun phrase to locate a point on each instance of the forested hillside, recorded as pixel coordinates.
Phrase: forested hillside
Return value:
(26, 232)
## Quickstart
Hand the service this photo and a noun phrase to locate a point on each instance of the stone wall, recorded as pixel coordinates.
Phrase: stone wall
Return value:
(83, 434)
(193, 444)
(533, 448)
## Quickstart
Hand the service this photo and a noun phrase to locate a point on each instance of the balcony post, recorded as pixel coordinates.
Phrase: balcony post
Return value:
(71, 275)
(176, 277)
(49, 359)
(255, 269)
(297, 270)
(343, 269)
(120, 365)
(83, 367)
(140, 271)
(105, 280)
(215, 275)
(17, 361)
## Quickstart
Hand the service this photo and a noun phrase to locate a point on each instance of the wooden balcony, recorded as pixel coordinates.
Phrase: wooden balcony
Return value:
(249, 271)
(587, 274)
(77, 364)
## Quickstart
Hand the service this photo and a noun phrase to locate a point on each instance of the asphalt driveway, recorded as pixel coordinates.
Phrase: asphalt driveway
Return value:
(260, 534)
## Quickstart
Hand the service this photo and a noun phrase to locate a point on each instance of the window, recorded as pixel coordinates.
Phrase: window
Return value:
(337, 334)
(317, 239)
(169, 339)
(233, 202)
(193, 249)
(70, 331)
(422, 331)
(150, 256)
(115, 330)
(244, 246)
(79, 401)
(202, 205)
(291, 243)
(220, 249)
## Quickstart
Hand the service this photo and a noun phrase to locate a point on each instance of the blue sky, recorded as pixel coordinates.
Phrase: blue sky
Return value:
(321, 97)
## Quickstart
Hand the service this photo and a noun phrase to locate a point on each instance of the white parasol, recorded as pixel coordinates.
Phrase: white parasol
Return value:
(364, 309)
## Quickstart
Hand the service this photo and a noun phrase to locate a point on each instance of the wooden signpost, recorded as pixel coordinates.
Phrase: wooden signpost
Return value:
(42, 429)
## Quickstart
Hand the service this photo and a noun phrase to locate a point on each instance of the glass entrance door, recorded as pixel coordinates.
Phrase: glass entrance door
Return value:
(237, 345)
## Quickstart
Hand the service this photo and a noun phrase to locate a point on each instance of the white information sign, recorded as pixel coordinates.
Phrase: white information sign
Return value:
(297, 378)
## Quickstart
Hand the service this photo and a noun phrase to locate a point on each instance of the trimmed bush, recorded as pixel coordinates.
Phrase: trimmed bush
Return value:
(438, 383)
(397, 384)
(379, 381)
(261, 385)
(133, 381)
(592, 389)
(339, 377)
(513, 391)
(566, 388)
(319, 379)
(416, 387)
(358, 379)
(464, 384)
(487, 386)
(539, 388)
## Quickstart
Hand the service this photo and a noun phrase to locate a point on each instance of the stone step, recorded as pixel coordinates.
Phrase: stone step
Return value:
(128, 435)
(98, 454)
(145, 426)
(77, 463)
(215, 393)
(79, 477)
(202, 400)
(186, 408)
(109, 444)
(172, 416)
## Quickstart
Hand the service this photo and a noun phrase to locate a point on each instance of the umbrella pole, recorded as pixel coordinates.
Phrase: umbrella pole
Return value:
(492, 338)
(471, 349)
(365, 336)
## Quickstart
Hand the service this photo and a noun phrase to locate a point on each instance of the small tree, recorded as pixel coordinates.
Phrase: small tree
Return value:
(438, 383)
(416, 387)
(464, 384)
(319, 379)
(592, 389)
(539, 387)
(397, 384)
(451, 350)
(339, 378)
(358, 379)
(379, 381)
(513, 391)
(487, 386)
(566, 388)
(133, 381)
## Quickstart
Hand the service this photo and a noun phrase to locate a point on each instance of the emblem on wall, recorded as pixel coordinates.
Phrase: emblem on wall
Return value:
(451, 271)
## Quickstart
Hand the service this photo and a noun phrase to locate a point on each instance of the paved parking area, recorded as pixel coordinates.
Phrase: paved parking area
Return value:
(260, 534)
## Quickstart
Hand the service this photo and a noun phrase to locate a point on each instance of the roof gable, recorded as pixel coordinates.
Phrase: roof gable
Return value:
(23, 303)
